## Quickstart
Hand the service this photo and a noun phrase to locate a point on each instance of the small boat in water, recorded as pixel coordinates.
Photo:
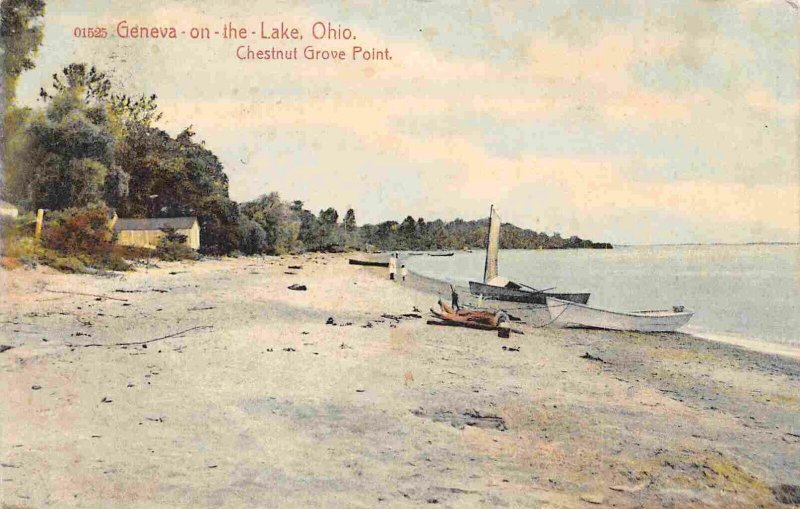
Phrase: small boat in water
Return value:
(441, 254)
(495, 287)
(571, 314)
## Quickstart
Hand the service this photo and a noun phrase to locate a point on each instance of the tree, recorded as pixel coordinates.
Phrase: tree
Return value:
(87, 178)
(67, 151)
(219, 218)
(173, 177)
(408, 227)
(95, 88)
(276, 218)
(21, 34)
(254, 239)
(308, 227)
(15, 152)
(94, 85)
(117, 186)
(329, 216)
(350, 220)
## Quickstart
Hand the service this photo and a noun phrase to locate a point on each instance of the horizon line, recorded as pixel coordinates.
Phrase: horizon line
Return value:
(753, 243)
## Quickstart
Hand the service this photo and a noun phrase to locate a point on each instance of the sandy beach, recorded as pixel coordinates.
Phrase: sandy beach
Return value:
(211, 384)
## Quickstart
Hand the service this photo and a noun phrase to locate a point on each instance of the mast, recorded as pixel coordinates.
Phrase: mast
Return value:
(488, 230)
(492, 246)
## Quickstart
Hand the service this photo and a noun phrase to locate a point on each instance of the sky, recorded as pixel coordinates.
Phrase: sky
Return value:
(631, 122)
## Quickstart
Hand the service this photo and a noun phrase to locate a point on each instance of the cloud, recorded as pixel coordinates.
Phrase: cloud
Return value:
(759, 98)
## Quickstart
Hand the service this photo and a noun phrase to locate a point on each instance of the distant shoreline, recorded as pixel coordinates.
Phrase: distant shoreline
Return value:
(711, 244)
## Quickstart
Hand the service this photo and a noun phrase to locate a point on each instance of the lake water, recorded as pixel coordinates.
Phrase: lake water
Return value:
(750, 292)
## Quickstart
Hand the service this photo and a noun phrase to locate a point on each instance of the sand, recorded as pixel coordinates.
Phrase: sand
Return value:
(260, 403)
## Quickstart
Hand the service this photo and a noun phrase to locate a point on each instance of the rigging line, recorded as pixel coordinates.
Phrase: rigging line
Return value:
(554, 319)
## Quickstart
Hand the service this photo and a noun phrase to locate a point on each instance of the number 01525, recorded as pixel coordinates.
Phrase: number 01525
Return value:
(90, 32)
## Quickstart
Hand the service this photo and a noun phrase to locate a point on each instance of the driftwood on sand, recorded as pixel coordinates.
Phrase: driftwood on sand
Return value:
(482, 320)
(134, 343)
(87, 295)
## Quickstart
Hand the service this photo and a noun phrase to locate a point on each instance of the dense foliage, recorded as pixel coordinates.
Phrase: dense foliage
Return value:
(89, 146)
(288, 227)
(419, 235)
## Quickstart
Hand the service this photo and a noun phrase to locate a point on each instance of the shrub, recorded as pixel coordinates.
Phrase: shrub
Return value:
(172, 247)
(78, 231)
(76, 238)
(254, 239)
(130, 252)
(10, 263)
(22, 247)
(17, 245)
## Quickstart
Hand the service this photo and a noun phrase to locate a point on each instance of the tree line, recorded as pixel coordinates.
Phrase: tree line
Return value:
(419, 235)
(275, 226)
(89, 147)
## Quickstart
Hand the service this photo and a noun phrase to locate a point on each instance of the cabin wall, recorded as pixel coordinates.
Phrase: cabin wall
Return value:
(193, 237)
(9, 212)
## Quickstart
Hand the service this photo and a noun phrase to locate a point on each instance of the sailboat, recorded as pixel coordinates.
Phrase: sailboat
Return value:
(499, 288)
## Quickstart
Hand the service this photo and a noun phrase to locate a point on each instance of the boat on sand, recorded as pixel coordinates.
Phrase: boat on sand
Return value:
(564, 313)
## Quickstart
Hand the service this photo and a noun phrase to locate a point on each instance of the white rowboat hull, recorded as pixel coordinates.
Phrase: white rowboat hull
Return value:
(570, 314)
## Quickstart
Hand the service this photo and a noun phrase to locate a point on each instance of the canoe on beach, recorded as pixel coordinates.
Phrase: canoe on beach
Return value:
(573, 315)
(367, 263)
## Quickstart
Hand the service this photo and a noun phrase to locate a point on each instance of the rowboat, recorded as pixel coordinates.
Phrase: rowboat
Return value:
(495, 287)
(521, 295)
(368, 264)
(564, 313)
(441, 254)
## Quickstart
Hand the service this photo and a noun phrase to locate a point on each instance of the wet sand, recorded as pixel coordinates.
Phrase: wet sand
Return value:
(255, 401)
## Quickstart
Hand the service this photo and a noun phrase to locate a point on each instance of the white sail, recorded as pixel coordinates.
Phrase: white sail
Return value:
(492, 246)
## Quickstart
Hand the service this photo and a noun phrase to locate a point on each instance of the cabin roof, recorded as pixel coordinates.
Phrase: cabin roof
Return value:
(158, 223)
